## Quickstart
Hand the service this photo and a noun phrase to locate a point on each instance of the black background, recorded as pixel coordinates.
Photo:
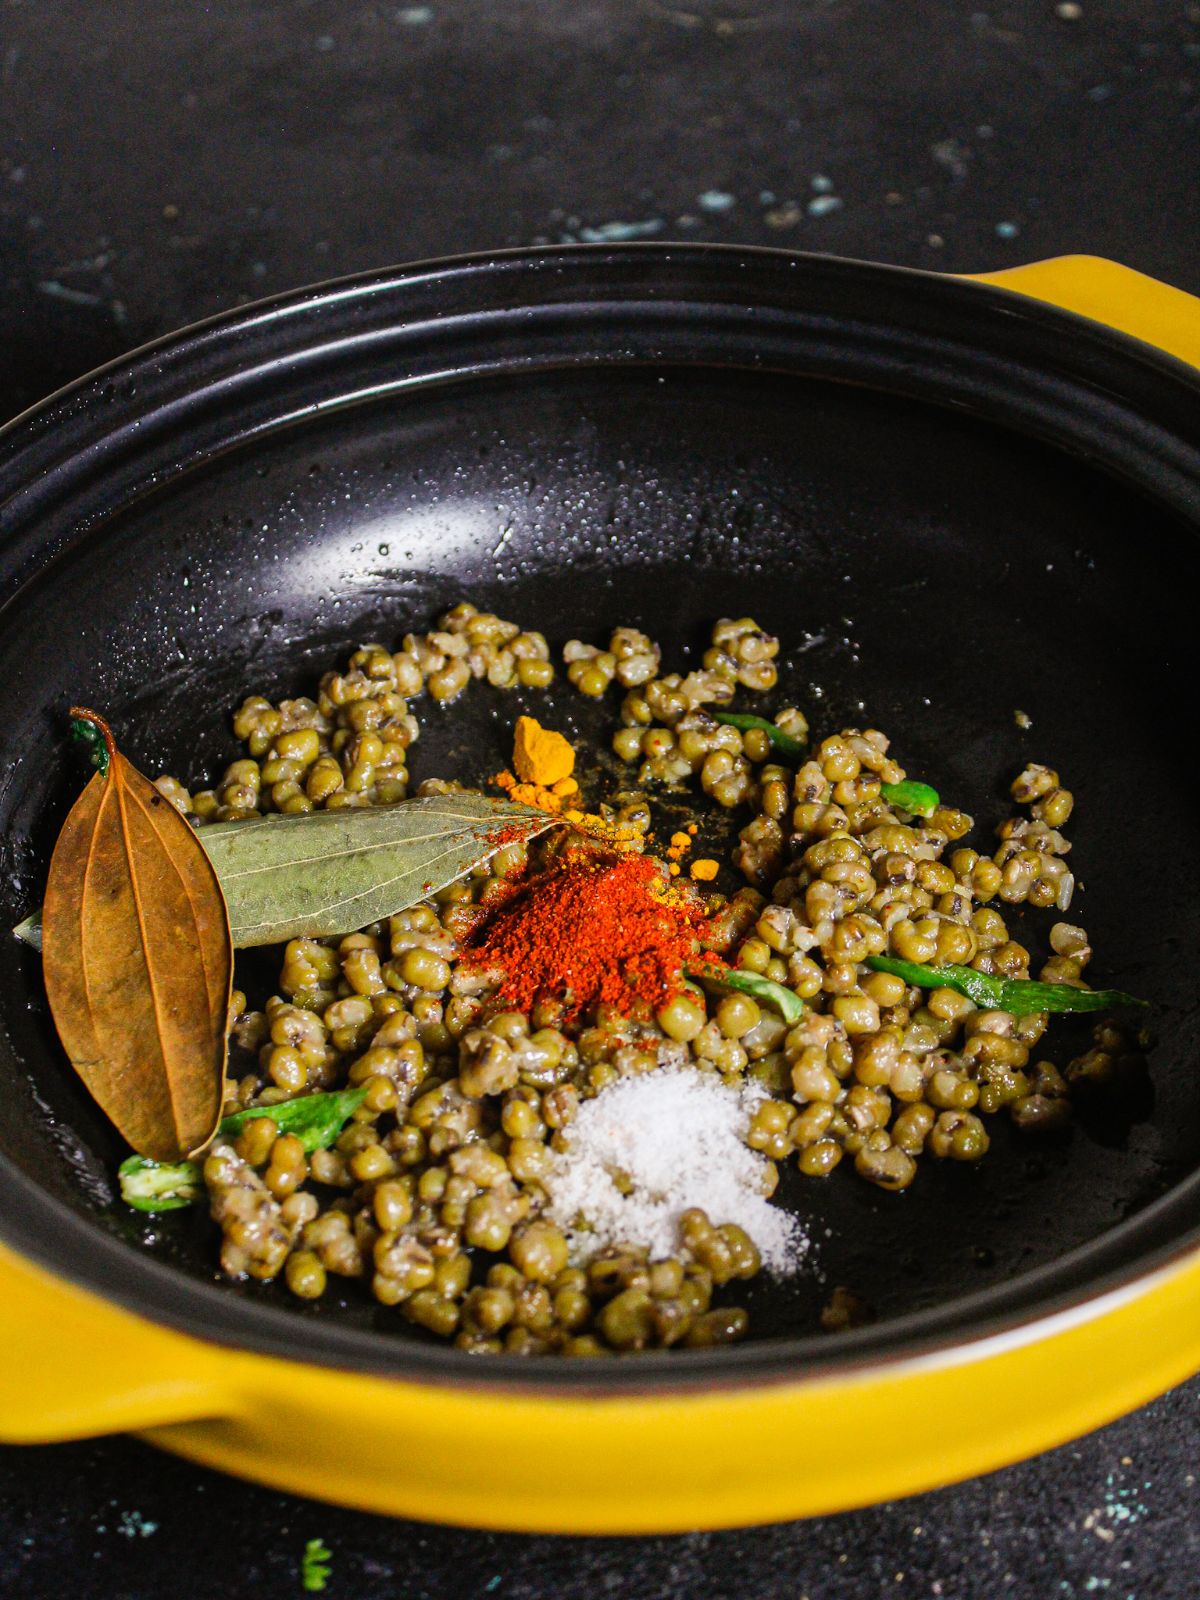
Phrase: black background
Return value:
(160, 162)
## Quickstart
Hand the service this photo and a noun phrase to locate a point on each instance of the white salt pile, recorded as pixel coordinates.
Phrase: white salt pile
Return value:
(673, 1139)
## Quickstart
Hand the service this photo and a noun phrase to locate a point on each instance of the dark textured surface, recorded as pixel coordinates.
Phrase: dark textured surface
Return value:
(155, 167)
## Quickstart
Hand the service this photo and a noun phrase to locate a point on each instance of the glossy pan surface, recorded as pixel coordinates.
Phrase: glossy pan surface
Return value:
(949, 504)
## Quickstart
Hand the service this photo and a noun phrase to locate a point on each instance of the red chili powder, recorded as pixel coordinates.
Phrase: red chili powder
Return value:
(590, 931)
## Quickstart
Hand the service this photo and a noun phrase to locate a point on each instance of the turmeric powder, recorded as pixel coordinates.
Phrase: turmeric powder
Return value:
(543, 763)
(679, 846)
(542, 757)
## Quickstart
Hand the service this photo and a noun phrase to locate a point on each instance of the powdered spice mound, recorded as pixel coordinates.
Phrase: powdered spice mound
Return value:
(592, 930)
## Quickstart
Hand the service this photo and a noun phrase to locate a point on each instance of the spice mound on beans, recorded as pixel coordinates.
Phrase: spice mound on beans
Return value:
(802, 969)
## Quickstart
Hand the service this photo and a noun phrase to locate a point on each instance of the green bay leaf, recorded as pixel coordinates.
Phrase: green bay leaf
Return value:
(327, 872)
(330, 872)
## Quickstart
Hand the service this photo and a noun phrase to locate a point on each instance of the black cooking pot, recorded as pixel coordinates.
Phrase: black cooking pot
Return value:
(952, 502)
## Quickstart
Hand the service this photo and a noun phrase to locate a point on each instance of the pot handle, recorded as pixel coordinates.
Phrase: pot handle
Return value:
(76, 1365)
(1117, 296)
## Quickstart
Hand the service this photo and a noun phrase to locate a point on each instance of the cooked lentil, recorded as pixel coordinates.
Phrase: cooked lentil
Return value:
(447, 1190)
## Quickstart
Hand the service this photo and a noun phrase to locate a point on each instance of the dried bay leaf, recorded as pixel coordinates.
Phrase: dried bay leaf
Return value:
(329, 872)
(137, 958)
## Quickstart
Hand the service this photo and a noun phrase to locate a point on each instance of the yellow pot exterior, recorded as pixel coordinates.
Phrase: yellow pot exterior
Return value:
(587, 1464)
(77, 1365)
(1117, 296)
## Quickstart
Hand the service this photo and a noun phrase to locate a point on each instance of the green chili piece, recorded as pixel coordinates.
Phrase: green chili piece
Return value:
(790, 1006)
(1018, 996)
(786, 743)
(314, 1119)
(160, 1185)
(918, 799)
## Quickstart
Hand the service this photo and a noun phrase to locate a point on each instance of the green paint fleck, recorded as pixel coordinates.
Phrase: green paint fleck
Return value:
(134, 1525)
(616, 232)
(314, 1566)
